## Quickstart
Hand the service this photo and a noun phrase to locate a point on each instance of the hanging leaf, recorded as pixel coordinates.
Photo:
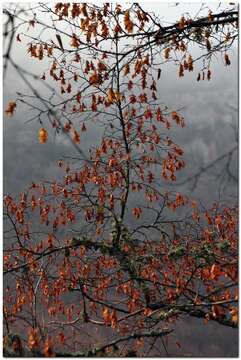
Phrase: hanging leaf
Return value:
(43, 136)
(227, 60)
(127, 22)
(10, 108)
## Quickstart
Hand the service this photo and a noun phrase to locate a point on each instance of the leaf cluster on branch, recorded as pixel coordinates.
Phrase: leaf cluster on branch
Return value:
(137, 257)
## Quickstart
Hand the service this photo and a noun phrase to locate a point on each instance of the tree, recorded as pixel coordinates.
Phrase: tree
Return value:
(107, 248)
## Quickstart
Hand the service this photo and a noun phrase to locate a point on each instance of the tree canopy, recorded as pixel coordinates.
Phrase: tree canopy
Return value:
(106, 258)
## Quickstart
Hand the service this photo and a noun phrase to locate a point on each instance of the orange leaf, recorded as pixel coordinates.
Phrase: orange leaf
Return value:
(215, 271)
(113, 319)
(126, 69)
(95, 79)
(33, 339)
(61, 337)
(106, 315)
(178, 344)
(166, 53)
(127, 22)
(136, 212)
(234, 314)
(227, 60)
(43, 136)
(111, 96)
(10, 108)
(48, 350)
(76, 137)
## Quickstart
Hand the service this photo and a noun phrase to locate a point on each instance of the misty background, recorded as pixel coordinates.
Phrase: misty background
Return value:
(210, 110)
